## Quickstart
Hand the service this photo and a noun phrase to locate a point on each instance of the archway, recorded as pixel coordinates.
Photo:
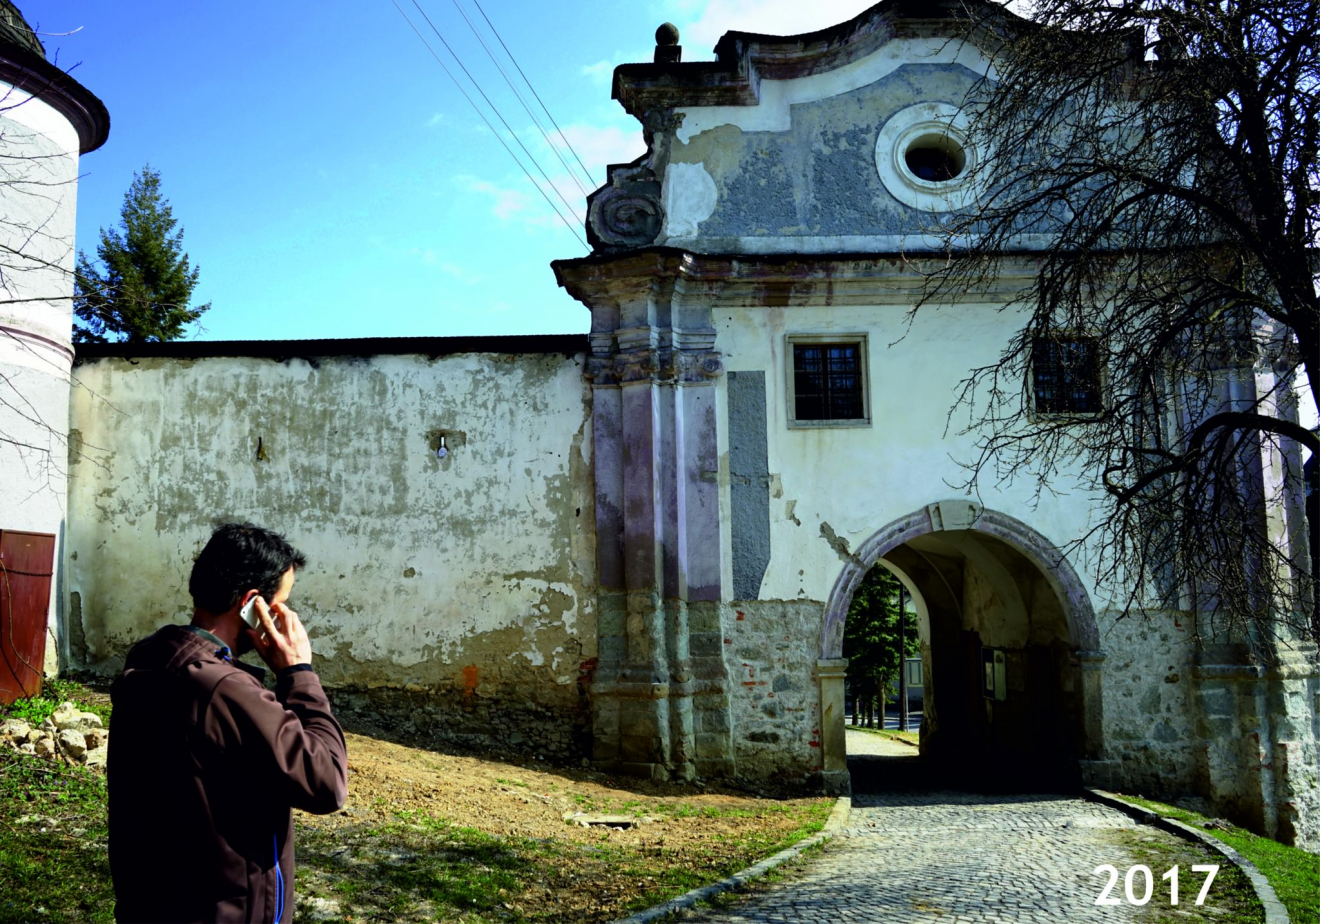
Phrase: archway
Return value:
(1010, 646)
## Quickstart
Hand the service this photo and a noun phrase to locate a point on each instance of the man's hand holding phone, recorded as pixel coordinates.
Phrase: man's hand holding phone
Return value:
(284, 646)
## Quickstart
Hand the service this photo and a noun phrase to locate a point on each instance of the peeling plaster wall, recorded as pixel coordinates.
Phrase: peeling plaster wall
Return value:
(798, 171)
(464, 585)
(831, 488)
(1150, 697)
(1175, 721)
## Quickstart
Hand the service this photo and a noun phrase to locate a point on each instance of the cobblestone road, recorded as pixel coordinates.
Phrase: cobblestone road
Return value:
(953, 858)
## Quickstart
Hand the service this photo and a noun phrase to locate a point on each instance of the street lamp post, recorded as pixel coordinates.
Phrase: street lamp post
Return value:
(902, 661)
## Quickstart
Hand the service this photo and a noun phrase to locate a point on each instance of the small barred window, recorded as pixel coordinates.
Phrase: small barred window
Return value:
(827, 379)
(1065, 375)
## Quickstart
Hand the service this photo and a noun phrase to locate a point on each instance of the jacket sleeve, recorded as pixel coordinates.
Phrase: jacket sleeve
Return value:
(289, 739)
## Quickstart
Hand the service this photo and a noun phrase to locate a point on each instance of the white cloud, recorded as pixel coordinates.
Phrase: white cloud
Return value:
(507, 202)
(600, 72)
(461, 273)
(600, 145)
(435, 120)
(597, 145)
(700, 25)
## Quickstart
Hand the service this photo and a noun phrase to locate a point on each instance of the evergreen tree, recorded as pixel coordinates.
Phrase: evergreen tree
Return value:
(141, 288)
(871, 636)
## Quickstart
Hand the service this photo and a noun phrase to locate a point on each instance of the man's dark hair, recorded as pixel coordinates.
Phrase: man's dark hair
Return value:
(239, 557)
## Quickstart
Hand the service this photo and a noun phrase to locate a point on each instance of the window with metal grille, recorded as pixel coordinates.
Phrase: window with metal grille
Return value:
(827, 381)
(1065, 375)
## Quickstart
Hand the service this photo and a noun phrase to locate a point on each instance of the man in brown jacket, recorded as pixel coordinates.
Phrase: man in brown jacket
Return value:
(206, 764)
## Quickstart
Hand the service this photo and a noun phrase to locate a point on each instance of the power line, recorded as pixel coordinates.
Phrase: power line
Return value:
(536, 163)
(533, 89)
(492, 128)
(527, 109)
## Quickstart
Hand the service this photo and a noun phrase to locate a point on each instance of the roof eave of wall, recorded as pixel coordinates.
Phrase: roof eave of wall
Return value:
(743, 59)
(283, 350)
(33, 74)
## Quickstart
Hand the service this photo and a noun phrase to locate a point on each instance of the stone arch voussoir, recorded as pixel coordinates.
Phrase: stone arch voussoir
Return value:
(963, 514)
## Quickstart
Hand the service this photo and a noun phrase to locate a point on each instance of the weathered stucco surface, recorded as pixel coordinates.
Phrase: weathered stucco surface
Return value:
(847, 482)
(816, 183)
(1150, 703)
(471, 578)
(1177, 719)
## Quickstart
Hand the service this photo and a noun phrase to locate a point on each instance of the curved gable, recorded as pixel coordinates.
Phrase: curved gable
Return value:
(773, 147)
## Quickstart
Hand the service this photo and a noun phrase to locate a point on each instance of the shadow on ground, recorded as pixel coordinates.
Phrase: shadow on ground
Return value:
(910, 773)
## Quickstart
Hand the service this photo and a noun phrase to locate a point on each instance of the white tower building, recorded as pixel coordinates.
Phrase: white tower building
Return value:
(47, 120)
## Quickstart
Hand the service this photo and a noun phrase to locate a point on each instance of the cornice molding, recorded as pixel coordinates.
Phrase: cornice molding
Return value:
(774, 280)
(33, 74)
(658, 367)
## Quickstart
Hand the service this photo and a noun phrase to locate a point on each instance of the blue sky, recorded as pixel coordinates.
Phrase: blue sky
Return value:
(332, 181)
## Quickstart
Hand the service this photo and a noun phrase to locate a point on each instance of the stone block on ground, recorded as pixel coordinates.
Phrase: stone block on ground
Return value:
(81, 721)
(596, 819)
(16, 729)
(72, 742)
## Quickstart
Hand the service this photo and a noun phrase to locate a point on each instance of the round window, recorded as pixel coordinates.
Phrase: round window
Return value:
(924, 158)
(935, 158)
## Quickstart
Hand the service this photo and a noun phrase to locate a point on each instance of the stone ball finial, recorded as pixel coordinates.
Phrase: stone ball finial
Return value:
(667, 34)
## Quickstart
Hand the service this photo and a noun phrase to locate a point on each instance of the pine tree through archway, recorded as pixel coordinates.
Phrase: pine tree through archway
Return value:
(871, 643)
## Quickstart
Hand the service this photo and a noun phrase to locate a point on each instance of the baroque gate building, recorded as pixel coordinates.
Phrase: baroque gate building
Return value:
(639, 547)
(770, 422)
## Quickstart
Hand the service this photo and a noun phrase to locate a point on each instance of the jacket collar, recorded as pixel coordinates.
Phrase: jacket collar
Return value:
(219, 649)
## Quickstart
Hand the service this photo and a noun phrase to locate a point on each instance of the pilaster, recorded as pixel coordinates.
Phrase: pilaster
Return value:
(659, 698)
(831, 673)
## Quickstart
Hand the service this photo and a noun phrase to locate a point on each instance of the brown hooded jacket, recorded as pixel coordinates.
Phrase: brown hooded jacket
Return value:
(205, 765)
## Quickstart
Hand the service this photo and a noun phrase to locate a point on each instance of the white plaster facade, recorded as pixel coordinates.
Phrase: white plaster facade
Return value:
(469, 575)
(47, 120)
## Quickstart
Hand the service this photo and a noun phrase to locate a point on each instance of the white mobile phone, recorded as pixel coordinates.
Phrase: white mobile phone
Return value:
(249, 613)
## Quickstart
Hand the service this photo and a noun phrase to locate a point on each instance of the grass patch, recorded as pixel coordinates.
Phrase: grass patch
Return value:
(731, 898)
(1294, 873)
(53, 861)
(36, 709)
(747, 849)
(1231, 899)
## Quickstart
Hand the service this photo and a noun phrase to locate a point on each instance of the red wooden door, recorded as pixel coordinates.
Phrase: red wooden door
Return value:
(26, 561)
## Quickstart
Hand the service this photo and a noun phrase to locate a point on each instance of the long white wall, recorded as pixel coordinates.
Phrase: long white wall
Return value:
(419, 567)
